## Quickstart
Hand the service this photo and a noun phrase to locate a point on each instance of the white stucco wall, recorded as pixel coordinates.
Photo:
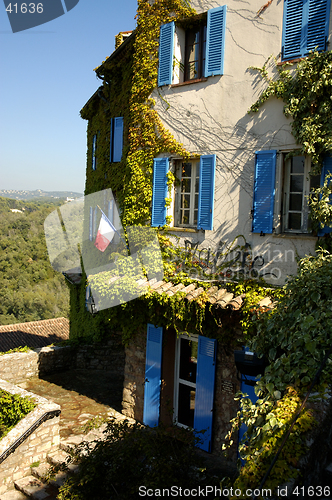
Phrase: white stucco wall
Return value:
(211, 117)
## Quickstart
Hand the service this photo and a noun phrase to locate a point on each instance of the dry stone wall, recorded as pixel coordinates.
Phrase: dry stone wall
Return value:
(30, 440)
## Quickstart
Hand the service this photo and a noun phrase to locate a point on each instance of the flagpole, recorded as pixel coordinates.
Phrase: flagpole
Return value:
(112, 225)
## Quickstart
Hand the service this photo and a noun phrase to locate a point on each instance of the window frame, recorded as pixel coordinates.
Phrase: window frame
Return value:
(173, 43)
(201, 30)
(285, 201)
(94, 151)
(178, 209)
(177, 379)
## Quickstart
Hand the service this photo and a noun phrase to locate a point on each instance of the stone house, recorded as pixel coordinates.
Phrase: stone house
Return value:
(234, 180)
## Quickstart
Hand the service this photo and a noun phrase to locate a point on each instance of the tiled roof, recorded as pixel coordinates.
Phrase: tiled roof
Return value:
(34, 333)
(219, 297)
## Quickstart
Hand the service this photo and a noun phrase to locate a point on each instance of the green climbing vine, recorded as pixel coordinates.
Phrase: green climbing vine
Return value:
(147, 135)
(306, 92)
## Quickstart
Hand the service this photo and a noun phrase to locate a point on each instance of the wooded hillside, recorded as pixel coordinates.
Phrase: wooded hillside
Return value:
(30, 289)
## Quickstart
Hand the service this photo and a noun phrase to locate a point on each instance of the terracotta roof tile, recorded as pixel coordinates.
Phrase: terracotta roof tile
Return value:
(33, 333)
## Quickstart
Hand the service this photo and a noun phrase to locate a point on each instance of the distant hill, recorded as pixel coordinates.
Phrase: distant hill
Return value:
(30, 288)
(38, 193)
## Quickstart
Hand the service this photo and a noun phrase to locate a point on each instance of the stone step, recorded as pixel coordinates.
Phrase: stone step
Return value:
(35, 489)
(13, 495)
(59, 457)
(42, 472)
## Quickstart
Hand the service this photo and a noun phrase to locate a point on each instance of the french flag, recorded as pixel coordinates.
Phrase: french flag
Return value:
(105, 233)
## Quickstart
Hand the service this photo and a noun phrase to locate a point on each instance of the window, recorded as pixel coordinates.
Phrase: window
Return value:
(291, 204)
(297, 186)
(194, 66)
(116, 139)
(194, 379)
(305, 27)
(185, 380)
(194, 198)
(94, 152)
(93, 226)
(187, 55)
(186, 199)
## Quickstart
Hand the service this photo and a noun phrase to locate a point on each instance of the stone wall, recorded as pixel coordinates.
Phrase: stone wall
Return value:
(18, 366)
(30, 440)
(134, 376)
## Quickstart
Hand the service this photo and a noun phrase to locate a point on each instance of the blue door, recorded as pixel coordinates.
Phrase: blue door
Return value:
(152, 375)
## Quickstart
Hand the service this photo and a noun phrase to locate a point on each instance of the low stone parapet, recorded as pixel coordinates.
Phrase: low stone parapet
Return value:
(30, 440)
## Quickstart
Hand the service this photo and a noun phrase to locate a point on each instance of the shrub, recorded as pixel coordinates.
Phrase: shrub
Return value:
(132, 456)
(12, 409)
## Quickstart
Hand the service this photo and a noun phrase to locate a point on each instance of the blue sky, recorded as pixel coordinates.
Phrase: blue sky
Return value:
(46, 78)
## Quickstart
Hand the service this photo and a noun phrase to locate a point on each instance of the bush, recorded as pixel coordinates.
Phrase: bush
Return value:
(12, 409)
(132, 456)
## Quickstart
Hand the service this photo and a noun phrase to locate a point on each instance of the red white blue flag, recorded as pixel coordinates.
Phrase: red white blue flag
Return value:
(105, 234)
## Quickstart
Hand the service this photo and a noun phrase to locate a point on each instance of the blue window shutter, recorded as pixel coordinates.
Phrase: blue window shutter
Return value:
(117, 138)
(94, 152)
(159, 193)
(111, 139)
(293, 30)
(207, 169)
(305, 27)
(166, 50)
(327, 169)
(263, 206)
(215, 41)
(152, 375)
(318, 24)
(206, 367)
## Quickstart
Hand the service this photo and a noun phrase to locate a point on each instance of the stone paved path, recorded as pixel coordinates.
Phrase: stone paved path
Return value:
(82, 396)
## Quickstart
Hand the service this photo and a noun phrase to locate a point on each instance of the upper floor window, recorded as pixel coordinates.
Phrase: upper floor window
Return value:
(195, 50)
(116, 139)
(289, 210)
(186, 199)
(297, 186)
(194, 197)
(305, 27)
(94, 152)
(190, 54)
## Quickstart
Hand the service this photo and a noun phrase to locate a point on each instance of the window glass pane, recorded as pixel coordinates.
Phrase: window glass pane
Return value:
(186, 405)
(195, 217)
(196, 201)
(188, 360)
(186, 169)
(203, 50)
(184, 217)
(297, 166)
(294, 221)
(295, 202)
(185, 185)
(296, 183)
(185, 201)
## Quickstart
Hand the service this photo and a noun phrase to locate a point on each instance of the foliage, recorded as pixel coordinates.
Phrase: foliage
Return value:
(306, 92)
(294, 338)
(31, 289)
(320, 206)
(131, 456)
(16, 349)
(265, 440)
(12, 409)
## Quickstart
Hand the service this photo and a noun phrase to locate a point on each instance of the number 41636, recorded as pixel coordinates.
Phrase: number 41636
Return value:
(25, 8)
